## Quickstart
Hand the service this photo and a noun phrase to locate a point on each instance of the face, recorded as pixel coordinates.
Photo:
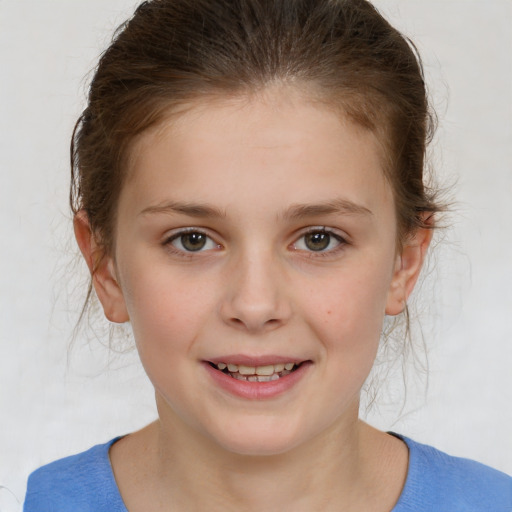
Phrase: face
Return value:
(255, 258)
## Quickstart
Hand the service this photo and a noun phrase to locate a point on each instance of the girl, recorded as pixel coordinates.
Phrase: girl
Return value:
(248, 193)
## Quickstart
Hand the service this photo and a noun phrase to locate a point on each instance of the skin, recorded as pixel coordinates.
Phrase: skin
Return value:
(261, 172)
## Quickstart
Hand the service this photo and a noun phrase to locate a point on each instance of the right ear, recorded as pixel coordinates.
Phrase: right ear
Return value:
(102, 269)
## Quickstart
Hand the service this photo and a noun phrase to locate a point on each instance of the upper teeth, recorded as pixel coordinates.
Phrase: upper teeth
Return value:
(269, 369)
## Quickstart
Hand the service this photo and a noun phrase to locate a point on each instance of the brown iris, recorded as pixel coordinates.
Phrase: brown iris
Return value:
(193, 241)
(317, 241)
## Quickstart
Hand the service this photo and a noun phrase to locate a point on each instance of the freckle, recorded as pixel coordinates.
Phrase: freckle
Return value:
(328, 312)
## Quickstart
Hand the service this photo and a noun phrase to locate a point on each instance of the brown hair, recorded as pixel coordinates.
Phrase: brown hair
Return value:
(174, 51)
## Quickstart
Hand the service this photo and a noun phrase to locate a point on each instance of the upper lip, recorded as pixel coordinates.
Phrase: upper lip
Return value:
(247, 360)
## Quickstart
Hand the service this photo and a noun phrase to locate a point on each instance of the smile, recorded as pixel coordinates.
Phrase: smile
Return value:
(266, 373)
(257, 378)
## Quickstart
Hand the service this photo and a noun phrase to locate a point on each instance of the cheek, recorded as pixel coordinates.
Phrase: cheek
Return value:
(347, 310)
(168, 316)
(167, 313)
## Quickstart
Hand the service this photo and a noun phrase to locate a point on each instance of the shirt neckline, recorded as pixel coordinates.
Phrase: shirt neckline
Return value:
(399, 506)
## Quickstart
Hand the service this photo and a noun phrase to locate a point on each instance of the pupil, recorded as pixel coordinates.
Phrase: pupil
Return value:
(193, 241)
(317, 241)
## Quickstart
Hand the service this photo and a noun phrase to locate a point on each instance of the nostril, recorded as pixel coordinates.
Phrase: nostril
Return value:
(251, 324)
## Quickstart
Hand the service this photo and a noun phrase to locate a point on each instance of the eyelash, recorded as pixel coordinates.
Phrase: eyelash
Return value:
(342, 242)
(168, 242)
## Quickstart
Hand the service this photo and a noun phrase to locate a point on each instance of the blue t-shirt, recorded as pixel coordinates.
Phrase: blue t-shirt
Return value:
(436, 482)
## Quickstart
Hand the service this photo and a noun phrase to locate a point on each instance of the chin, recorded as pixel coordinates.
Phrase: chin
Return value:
(258, 440)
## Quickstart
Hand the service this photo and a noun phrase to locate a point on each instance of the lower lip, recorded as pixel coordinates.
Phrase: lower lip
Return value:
(257, 390)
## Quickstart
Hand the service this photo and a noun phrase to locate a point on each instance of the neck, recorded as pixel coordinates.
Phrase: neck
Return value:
(326, 469)
(349, 467)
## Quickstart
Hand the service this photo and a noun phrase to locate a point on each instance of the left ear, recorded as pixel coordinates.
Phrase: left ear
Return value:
(407, 269)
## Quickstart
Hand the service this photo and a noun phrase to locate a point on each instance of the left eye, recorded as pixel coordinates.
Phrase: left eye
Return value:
(318, 241)
(192, 241)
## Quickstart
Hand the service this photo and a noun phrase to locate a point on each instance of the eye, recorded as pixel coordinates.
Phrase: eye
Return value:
(191, 241)
(319, 240)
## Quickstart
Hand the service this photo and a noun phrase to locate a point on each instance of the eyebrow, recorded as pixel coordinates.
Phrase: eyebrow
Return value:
(190, 209)
(336, 206)
(294, 212)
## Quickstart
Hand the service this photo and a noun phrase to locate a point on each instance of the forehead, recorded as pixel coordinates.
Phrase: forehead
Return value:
(226, 149)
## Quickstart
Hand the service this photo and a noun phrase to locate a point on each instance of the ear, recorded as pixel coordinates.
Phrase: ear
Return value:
(407, 269)
(102, 270)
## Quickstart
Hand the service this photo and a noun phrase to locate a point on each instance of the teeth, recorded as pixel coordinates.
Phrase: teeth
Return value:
(265, 370)
(257, 373)
(257, 378)
(256, 370)
(246, 370)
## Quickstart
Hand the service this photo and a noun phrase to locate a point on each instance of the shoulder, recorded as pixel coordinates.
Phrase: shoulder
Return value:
(442, 483)
(79, 483)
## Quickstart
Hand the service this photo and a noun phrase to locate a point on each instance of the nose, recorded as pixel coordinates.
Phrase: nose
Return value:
(255, 300)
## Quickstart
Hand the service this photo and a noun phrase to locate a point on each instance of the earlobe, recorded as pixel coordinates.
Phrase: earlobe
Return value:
(407, 270)
(102, 269)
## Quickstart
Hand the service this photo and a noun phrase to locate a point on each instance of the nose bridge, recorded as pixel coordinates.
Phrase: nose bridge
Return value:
(255, 299)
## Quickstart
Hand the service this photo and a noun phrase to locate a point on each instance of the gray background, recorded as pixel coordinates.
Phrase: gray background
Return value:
(54, 402)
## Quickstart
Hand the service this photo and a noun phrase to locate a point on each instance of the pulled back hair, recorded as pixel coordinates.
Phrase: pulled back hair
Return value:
(176, 51)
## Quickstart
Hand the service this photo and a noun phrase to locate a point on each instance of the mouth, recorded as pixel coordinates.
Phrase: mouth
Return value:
(264, 373)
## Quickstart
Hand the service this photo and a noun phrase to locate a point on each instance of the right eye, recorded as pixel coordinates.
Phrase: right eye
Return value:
(191, 241)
